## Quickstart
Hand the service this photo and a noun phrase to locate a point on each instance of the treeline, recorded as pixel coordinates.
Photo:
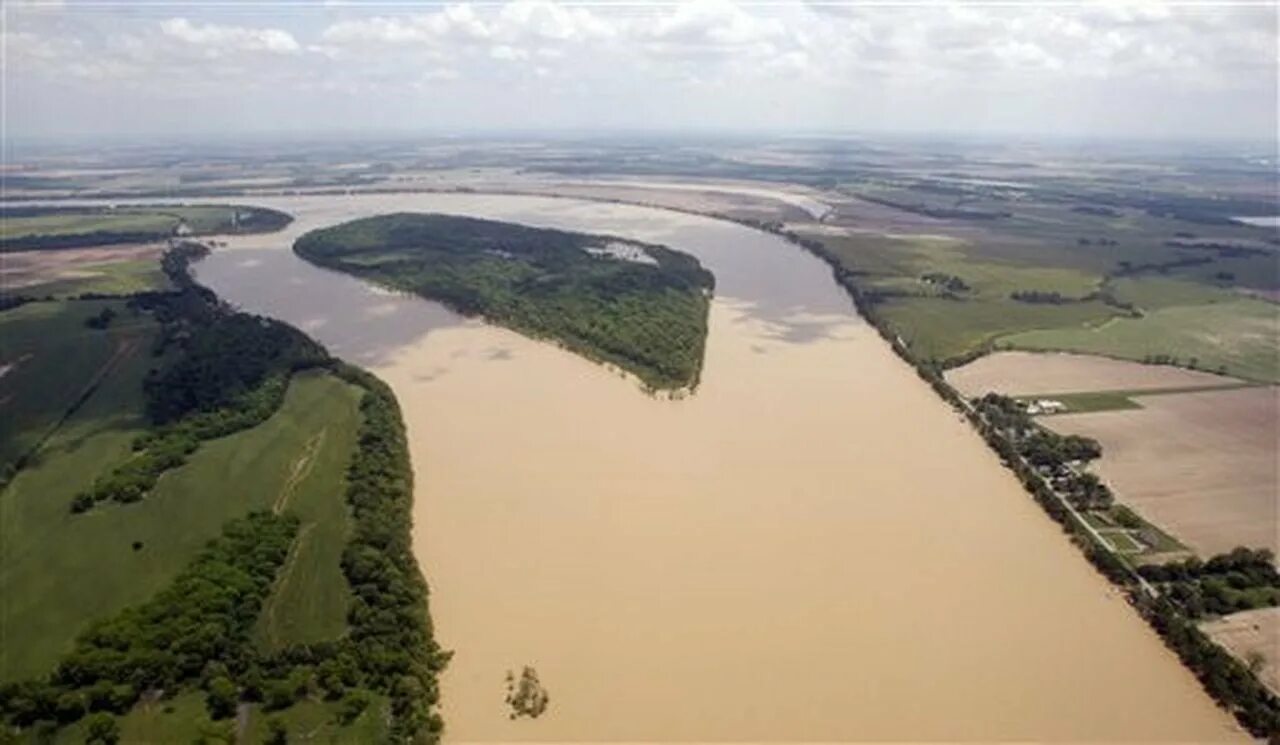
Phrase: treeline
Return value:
(231, 373)
(1039, 297)
(198, 628)
(1243, 579)
(942, 213)
(1223, 677)
(948, 282)
(390, 637)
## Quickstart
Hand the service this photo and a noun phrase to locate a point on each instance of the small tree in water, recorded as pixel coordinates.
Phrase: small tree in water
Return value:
(526, 697)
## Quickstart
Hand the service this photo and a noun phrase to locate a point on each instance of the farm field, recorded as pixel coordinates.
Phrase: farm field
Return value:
(1001, 272)
(1238, 338)
(1018, 373)
(1254, 638)
(1201, 465)
(34, 272)
(52, 360)
(60, 571)
(43, 228)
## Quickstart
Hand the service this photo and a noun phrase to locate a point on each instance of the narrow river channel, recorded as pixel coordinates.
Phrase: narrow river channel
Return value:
(811, 547)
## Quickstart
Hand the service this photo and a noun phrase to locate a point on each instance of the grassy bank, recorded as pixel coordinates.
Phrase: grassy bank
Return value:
(638, 306)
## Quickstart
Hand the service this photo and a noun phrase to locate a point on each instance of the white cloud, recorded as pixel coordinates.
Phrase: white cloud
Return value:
(219, 40)
(580, 64)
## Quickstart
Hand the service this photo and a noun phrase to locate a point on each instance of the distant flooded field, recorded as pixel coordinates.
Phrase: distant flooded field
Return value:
(811, 547)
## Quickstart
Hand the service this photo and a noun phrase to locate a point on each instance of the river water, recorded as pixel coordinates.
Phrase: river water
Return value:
(811, 547)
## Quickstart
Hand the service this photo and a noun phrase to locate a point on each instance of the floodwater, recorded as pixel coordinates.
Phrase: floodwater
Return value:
(810, 547)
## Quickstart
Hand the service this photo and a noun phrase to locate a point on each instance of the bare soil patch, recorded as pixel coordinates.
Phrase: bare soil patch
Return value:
(27, 268)
(1201, 465)
(1253, 637)
(1023, 373)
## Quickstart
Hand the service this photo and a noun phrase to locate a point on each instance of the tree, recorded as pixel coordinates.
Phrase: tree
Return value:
(222, 698)
(102, 730)
(277, 733)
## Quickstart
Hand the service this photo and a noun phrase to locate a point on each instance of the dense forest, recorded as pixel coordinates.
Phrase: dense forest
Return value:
(648, 316)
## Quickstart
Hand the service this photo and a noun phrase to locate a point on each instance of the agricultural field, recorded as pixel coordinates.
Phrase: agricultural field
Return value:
(958, 269)
(1030, 373)
(1237, 338)
(60, 570)
(44, 228)
(1201, 465)
(120, 269)
(52, 361)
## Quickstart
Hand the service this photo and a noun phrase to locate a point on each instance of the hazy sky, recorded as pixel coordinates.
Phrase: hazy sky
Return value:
(1109, 68)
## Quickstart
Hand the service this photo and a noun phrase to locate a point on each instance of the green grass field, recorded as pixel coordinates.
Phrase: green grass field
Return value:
(159, 219)
(74, 223)
(1188, 313)
(941, 329)
(309, 602)
(60, 571)
(110, 278)
(52, 359)
(1238, 338)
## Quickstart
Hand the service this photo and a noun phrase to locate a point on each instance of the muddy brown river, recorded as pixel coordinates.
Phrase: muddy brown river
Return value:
(811, 547)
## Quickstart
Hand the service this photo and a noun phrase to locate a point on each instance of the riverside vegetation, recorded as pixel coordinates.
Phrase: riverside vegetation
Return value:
(639, 306)
(220, 375)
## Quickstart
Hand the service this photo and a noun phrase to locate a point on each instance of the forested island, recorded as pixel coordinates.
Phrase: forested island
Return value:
(639, 306)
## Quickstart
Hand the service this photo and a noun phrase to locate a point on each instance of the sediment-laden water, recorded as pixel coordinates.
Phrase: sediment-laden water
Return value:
(811, 547)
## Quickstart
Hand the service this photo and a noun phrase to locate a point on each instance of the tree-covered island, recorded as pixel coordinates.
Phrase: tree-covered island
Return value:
(636, 305)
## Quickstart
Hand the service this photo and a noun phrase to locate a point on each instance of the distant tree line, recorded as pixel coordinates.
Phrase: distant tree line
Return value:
(948, 282)
(1088, 209)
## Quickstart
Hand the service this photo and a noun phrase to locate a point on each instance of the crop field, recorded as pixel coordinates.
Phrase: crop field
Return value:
(1030, 373)
(1202, 465)
(45, 228)
(113, 278)
(961, 269)
(51, 361)
(22, 270)
(59, 571)
(1238, 338)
